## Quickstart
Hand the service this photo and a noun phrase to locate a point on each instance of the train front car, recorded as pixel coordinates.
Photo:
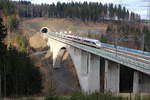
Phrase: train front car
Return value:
(98, 43)
(93, 42)
(83, 40)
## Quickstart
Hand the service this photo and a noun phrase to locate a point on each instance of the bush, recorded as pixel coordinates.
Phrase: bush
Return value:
(109, 28)
(7, 7)
(56, 98)
(103, 39)
(12, 23)
(19, 75)
(77, 96)
(22, 42)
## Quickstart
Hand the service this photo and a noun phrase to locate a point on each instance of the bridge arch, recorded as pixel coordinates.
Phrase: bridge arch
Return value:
(87, 65)
(65, 70)
(58, 54)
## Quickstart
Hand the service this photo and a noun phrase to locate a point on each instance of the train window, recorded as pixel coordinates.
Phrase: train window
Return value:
(97, 42)
(86, 41)
(93, 43)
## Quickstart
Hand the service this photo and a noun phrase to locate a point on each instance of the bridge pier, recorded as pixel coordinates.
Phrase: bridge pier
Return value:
(87, 67)
(57, 58)
(112, 76)
(141, 83)
(58, 49)
(136, 82)
(144, 83)
(94, 73)
(86, 64)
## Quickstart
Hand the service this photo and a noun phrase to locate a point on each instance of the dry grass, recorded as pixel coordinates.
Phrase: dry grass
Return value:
(36, 41)
(54, 24)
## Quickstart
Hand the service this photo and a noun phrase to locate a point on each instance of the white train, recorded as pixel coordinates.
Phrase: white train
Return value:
(87, 41)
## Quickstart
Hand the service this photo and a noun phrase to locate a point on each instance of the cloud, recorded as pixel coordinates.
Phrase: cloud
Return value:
(143, 13)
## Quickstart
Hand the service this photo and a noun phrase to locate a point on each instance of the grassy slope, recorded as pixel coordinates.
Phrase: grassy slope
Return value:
(34, 25)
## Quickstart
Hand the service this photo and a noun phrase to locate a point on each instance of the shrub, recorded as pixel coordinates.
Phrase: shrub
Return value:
(55, 97)
(12, 23)
(22, 42)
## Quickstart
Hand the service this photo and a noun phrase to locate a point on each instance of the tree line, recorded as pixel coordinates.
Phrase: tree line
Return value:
(85, 11)
(140, 34)
(18, 75)
(8, 11)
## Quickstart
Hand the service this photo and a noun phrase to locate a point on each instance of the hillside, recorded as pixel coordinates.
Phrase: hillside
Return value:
(89, 29)
(58, 79)
(33, 25)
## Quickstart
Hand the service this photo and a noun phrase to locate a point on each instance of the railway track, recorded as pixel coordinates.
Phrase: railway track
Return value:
(128, 55)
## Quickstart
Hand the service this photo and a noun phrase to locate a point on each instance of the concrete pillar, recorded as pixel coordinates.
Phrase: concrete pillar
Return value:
(89, 75)
(144, 84)
(106, 75)
(136, 82)
(55, 53)
(84, 63)
(88, 69)
(112, 76)
(79, 59)
(94, 73)
(48, 42)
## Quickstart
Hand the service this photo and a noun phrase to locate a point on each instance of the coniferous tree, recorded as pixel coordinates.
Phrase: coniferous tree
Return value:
(84, 11)
(18, 76)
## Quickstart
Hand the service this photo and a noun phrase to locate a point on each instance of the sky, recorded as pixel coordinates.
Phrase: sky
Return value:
(137, 6)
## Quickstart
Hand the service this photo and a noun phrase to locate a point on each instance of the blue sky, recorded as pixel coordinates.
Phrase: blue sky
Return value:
(132, 5)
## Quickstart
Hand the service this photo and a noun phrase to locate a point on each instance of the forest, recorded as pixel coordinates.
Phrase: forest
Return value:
(85, 11)
(130, 32)
(18, 74)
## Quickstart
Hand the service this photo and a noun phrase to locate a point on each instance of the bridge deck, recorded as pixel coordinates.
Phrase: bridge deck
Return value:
(137, 62)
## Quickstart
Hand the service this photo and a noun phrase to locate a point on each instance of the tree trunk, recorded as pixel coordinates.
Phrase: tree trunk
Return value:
(0, 88)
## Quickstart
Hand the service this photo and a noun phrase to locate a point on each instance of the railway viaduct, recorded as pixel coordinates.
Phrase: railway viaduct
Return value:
(102, 70)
